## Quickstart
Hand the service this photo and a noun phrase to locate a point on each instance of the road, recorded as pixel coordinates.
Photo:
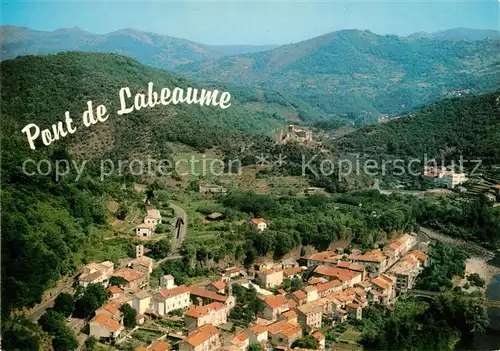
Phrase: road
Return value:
(176, 243)
(37, 313)
(179, 212)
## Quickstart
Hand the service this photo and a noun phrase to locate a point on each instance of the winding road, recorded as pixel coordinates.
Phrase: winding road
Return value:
(176, 243)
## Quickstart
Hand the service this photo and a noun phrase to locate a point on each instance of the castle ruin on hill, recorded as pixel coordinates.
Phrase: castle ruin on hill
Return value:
(300, 135)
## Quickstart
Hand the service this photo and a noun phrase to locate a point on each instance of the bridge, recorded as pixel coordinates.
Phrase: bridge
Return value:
(432, 294)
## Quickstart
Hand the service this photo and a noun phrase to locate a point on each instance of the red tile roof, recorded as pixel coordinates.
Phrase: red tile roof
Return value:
(128, 274)
(291, 331)
(107, 321)
(195, 291)
(292, 271)
(168, 293)
(339, 273)
(219, 285)
(318, 335)
(240, 338)
(422, 257)
(257, 220)
(258, 329)
(328, 285)
(300, 295)
(159, 345)
(290, 314)
(275, 301)
(353, 305)
(198, 311)
(279, 326)
(203, 334)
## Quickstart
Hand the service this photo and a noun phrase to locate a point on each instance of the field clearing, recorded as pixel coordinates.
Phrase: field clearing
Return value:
(192, 165)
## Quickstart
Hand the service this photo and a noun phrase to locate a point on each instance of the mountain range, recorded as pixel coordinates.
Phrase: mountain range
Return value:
(149, 48)
(360, 74)
(351, 73)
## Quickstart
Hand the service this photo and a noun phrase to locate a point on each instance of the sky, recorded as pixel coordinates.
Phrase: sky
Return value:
(252, 22)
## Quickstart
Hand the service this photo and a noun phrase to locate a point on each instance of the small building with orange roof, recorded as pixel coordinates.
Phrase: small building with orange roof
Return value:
(241, 341)
(283, 333)
(103, 326)
(321, 339)
(383, 289)
(289, 316)
(354, 310)
(328, 288)
(326, 258)
(257, 334)
(115, 292)
(375, 261)
(168, 300)
(156, 345)
(346, 276)
(259, 223)
(197, 316)
(218, 286)
(205, 338)
(273, 306)
(309, 316)
(270, 278)
(299, 297)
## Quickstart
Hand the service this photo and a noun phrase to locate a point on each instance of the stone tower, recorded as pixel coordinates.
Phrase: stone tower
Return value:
(139, 251)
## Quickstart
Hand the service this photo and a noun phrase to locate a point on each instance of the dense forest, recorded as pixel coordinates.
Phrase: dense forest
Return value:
(448, 129)
(66, 81)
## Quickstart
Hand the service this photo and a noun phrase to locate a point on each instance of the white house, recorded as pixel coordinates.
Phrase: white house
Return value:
(259, 223)
(153, 217)
(167, 300)
(144, 229)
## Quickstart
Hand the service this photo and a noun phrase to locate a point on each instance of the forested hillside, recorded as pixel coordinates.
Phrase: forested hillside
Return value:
(361, 74)
(467, 126)
(47, 222)
(39, 89)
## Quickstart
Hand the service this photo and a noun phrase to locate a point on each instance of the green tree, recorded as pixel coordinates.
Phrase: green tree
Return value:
(92, 298)
(306, 342)
(64, 304)
(159, 249)
(90, 344)
(255, 346)
(117, 281)
(51, 321)
(129, 316)
(64, 339)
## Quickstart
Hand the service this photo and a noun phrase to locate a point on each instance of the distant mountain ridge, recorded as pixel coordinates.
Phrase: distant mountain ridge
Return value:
(149, 48)
(459, 34)
(352, 73)
(360, 74)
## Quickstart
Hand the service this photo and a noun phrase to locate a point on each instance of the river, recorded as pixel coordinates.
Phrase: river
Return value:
(492, 340)
(487, 264)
